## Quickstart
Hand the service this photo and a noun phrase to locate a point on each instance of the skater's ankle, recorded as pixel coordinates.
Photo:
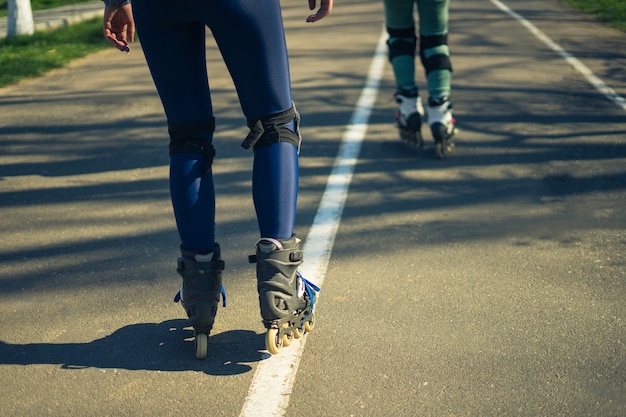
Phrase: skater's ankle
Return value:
(270, 244)
(408, 92)
(204, 257)
(201, 255)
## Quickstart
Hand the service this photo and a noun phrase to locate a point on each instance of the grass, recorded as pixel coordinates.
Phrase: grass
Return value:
(611, 12)
(40, 4)
(30, 56)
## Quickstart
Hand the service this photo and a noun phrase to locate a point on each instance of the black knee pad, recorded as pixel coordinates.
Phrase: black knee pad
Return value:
(401, 42)
(437, 61)
(271, 129)
(185, 137)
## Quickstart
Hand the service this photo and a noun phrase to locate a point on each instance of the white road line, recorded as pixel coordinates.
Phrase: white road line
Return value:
(273, 380)
(573, 61)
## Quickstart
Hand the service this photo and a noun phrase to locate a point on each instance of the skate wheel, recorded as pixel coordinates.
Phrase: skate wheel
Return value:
(273, 343)
(412, 137)
(202, 345)
(309, 324)
(287, 338)
(440, 150)
(298, 333)
(443, 148)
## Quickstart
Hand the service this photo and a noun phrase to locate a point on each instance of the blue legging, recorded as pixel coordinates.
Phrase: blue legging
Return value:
(251, 39)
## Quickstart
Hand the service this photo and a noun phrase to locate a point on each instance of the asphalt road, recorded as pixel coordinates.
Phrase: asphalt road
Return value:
(491, 283)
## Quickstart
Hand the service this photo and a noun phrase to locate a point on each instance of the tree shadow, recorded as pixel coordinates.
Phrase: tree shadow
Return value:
(166, 346)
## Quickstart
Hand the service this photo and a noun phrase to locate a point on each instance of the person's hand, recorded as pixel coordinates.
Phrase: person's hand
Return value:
(326, 6)
(119, 26)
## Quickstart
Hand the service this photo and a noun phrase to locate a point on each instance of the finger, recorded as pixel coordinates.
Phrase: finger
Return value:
(324, 10)
(317, 16)
(107, 18)
(121, 45)
(121, 33)
(129, 23)
(130, 33)
(311, 4)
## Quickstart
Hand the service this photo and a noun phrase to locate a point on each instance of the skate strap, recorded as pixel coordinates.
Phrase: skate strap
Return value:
(310, 288)
(309, 285)
(273, 129)
(223, 291)
(177, 297)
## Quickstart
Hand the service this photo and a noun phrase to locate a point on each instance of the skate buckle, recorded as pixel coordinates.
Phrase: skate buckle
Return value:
(178, 297)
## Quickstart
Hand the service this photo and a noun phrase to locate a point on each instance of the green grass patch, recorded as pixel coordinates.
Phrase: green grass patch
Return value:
(41, 4)
(31, 56)
(611, 12)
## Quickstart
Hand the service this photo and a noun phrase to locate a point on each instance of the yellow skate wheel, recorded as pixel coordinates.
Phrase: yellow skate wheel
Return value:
(202, 345)
(309, 324)
(287, 338)
(273, 343)
(298, 333)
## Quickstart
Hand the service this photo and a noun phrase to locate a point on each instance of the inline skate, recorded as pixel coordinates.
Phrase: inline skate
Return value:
(442, 125)
(286, 298)
(409, 116)
(200, 292)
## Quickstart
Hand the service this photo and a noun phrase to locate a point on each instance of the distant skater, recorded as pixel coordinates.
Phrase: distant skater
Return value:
(434, 55)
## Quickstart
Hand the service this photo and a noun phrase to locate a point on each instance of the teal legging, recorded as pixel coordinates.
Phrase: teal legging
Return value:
(434, 50)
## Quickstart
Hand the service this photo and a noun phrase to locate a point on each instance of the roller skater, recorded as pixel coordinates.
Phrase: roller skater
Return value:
(200, 292)
(435, 58)
(285, 297)
(251, 39)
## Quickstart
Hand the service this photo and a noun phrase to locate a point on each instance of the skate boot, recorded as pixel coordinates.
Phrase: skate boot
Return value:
(285, 297)
(409, 116)
(200, 292)
(442, 125)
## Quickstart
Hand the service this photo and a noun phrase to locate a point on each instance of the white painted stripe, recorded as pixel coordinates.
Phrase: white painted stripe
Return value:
(596, 82)
(273, 380)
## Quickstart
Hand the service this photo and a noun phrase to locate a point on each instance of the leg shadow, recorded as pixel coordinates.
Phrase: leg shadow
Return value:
(166, 346)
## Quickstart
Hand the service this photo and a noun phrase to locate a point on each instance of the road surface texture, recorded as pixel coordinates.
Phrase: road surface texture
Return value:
(491, 283)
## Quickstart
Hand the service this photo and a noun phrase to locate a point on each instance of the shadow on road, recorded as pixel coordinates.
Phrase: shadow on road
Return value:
(166, 346)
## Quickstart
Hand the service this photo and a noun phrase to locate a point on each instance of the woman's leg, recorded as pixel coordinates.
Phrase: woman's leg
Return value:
(174, 46)
(251, 38)
(402, 42)
(434, 50)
